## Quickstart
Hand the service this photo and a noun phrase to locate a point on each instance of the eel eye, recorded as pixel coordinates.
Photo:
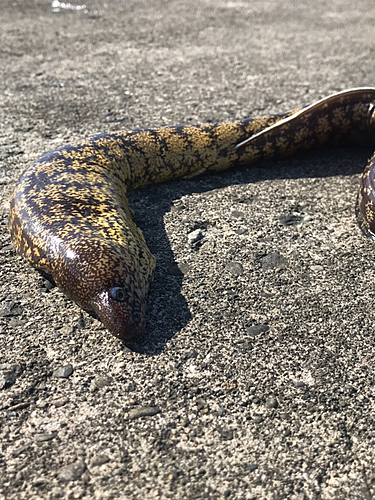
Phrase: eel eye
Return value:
(118, 294)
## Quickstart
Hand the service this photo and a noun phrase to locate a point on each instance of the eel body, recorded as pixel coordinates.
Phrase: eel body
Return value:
(70, 218)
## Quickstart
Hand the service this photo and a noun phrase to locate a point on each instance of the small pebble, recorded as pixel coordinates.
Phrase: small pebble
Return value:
(176, 269)
(191, 354)
(226, 433)
(257, 330)
(272, 403)
(143, 411)
(58, 403)
(183, 267)
(80, 324)
(241, 230)
(273, 260)
(290, 220)
(15, 322)
(9, 309)
(19, 406)
(99, 460)
(173, 476)
(246, 346)
(195, 236)
(317, 269)
(178, 208)
(220, 412)
(20, 449)
(9, 374)
(100, 381)
(39, 481)
(47, 436)
(71, 472)
(48, 285)
(63, 371)
(66, 330)
(235, 268)
(19, 476)
(236, 214)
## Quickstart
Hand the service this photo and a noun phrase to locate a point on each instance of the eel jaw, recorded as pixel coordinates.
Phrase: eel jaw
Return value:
(125, 320)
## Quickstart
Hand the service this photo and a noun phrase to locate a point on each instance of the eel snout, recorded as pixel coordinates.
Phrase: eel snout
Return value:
(123, 317)
(105, 280)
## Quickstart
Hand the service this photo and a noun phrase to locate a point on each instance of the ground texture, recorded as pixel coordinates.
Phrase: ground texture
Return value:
(256, 376)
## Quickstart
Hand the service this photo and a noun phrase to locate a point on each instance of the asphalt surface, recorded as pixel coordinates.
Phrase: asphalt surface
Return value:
(256, 376)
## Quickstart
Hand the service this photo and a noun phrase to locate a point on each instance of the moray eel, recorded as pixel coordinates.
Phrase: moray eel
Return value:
(70, 217)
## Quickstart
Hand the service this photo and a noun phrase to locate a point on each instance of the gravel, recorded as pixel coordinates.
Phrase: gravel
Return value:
(255, 379)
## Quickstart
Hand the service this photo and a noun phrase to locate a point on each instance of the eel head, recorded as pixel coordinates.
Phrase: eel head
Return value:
(108, 281)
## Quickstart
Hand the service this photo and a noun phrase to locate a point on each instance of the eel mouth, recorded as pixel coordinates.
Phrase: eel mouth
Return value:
(127, 331)
(123, 320)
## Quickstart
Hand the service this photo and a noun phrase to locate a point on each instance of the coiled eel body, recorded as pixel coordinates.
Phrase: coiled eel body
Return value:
(70, 218)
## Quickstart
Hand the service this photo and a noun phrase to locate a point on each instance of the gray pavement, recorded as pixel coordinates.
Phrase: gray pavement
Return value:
(256, 376)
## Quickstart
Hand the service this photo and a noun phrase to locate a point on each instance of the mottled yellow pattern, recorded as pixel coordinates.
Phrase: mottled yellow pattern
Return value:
(70, 216)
